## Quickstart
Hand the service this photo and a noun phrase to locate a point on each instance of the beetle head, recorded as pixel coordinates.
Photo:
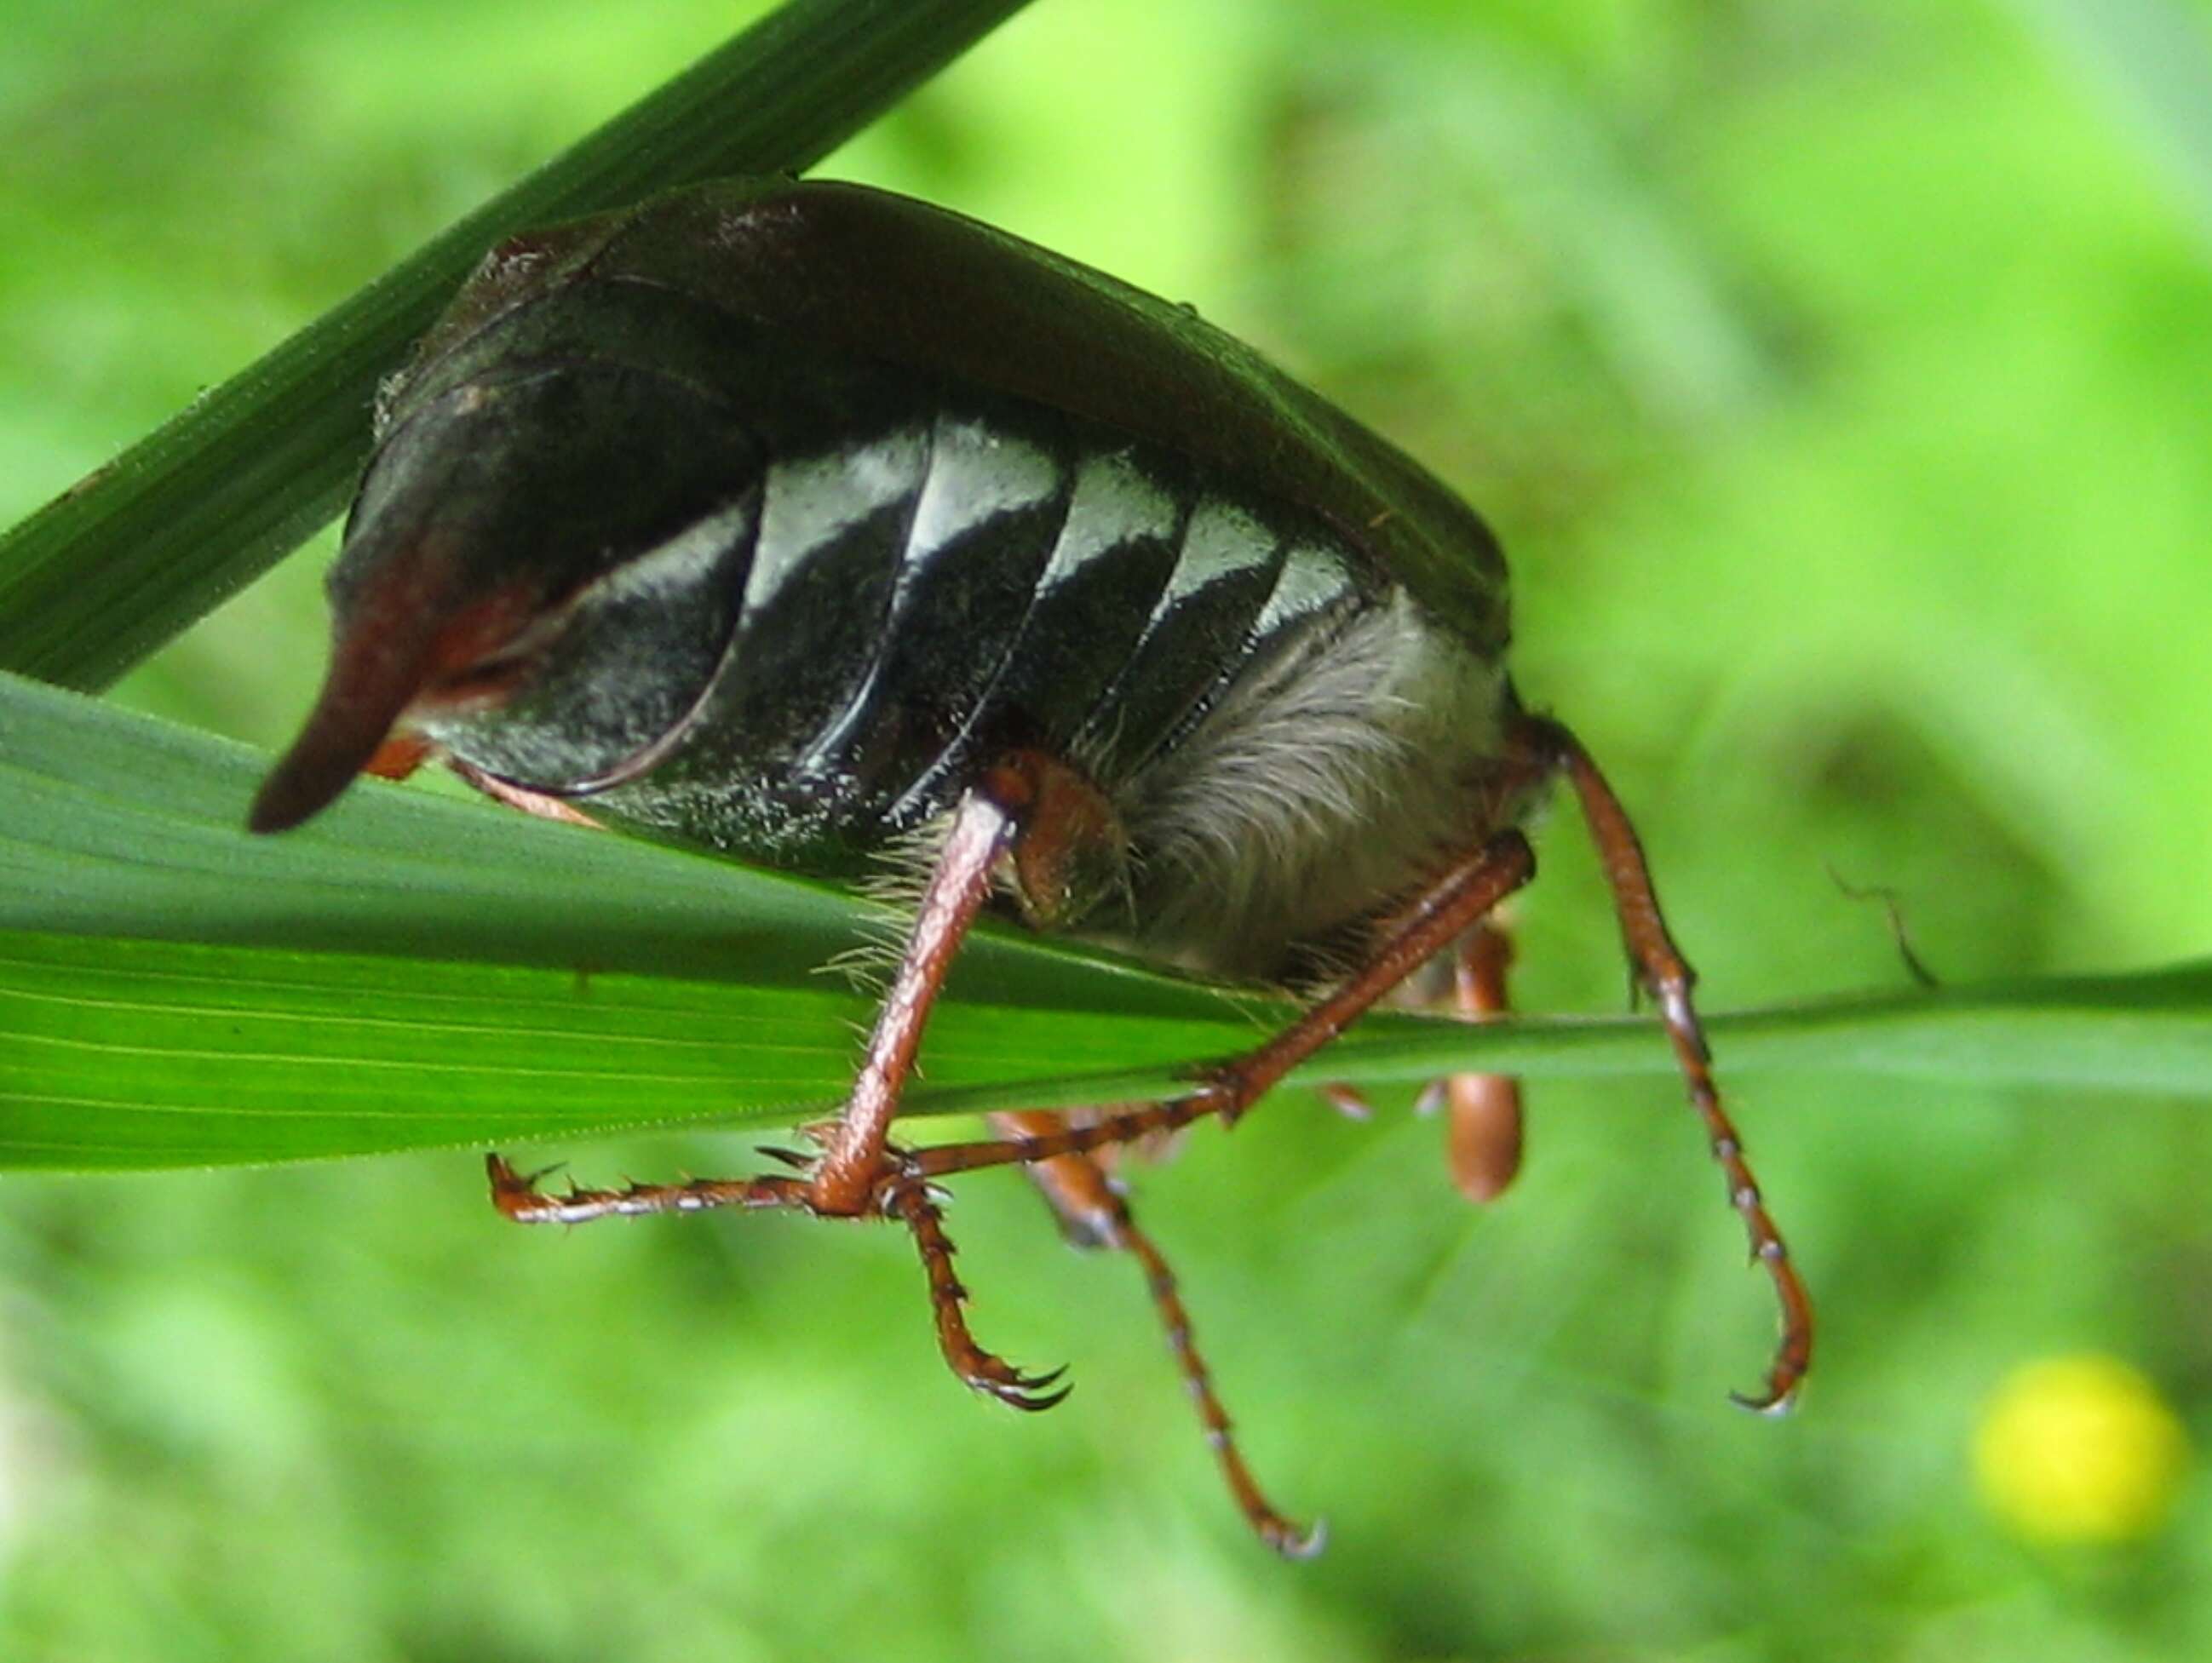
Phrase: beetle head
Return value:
(488, 510)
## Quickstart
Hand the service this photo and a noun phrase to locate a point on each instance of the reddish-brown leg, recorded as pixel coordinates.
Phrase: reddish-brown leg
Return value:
(1483, 1123)
(405, 751)
(1094, 1214)
(1458, 901)
(1483, 1135)
(847, 1181)
(853, 1163)
(1466, 891)
(537, 802)
(1665, 974)
(518, 1198)
(948, 1300)
(981, 832)
(1347, 1101)
(1039, 812)
(1042, 817)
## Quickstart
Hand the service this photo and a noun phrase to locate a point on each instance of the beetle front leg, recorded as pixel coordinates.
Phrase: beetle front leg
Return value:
(858, 1174)
(848, 1181)
(517, 1198)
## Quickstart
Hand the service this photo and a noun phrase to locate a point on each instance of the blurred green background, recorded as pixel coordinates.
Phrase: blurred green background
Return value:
(1840, 378)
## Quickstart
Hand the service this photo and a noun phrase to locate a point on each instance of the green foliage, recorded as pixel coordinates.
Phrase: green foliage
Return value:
(412, 973)
(1836, 378)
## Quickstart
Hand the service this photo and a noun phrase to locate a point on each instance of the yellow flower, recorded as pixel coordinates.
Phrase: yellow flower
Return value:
(2080, 1449)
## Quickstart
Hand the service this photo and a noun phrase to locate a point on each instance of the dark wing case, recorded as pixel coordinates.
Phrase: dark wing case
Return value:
(876, 275)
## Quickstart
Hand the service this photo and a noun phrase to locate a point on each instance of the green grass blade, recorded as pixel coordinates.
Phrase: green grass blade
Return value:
(122, 1053)
(124, 560)
(120, 825)
(137, 1053)
(413, 972)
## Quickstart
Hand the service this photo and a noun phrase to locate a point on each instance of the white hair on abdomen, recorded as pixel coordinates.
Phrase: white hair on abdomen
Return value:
(1333, 779)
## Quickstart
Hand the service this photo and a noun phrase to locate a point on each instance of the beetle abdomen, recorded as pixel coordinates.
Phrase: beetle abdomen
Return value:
(903, 583)
(906, 602)
(853, 585)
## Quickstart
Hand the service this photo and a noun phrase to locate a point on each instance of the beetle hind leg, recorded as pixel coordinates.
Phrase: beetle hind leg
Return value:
(1661, 970)
(1460, 898)
(1093, 1213)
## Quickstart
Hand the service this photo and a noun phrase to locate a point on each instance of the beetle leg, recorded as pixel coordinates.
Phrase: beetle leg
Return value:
(1483, 1129)
(519, 1199)
(854, 1159)
(1483, 1119)
(858, 1174)
(1454, 903)
(404, 751)
(399, 756)
(1660, 968)
(516, 1197)
(1046, 820)
(1466, 891)
(976, 1366)
(1347, 1101)
(1093, 1214)
(543, 804)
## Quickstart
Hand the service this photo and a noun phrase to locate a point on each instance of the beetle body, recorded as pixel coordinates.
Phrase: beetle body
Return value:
(801, 592)
(817, 527)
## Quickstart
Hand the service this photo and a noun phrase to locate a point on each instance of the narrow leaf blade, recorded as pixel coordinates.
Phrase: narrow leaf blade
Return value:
(411, 972)
(122, 561)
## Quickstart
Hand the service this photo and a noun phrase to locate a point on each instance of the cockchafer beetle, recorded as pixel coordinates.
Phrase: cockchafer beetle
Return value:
(820, 527)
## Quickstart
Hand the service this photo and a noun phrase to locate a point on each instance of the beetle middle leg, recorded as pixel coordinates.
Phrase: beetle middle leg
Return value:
(1093, 1213)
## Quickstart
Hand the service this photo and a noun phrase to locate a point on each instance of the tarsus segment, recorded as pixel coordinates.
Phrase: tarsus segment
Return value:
(1666, 976)
(1095, 1213)
(518, 1198)
(948, 1300)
